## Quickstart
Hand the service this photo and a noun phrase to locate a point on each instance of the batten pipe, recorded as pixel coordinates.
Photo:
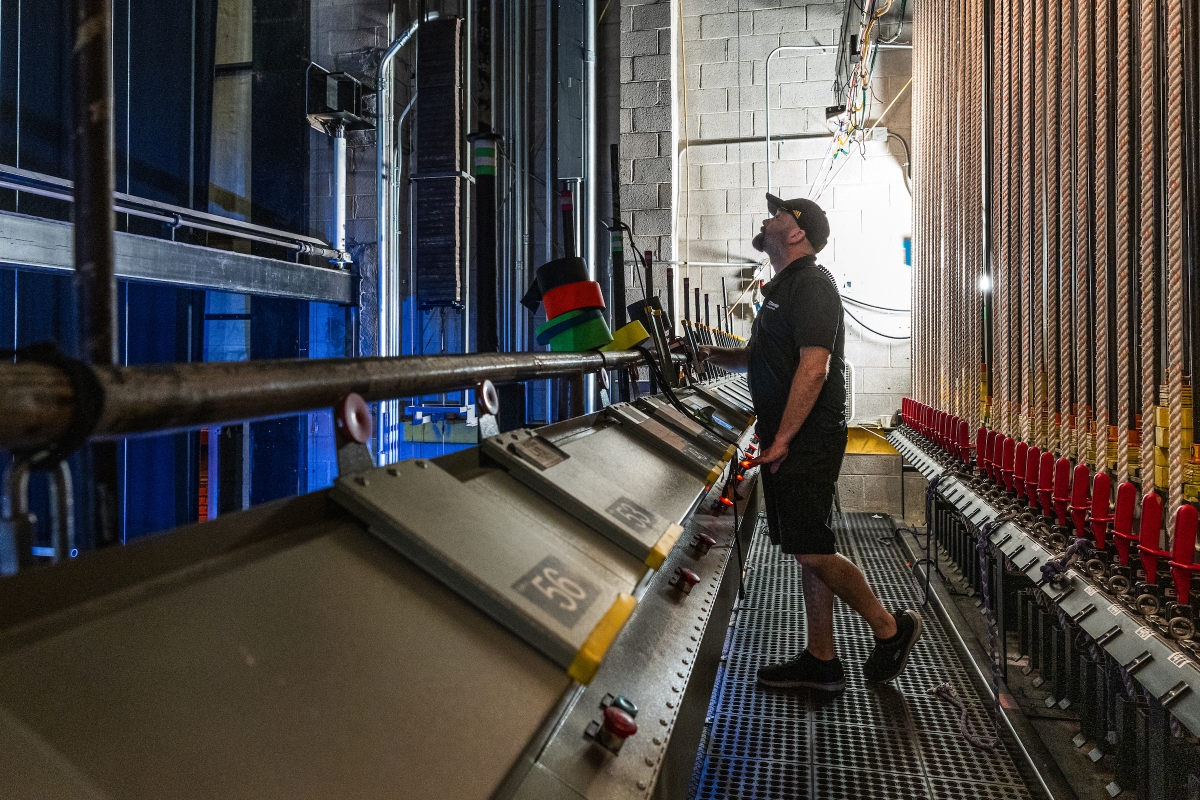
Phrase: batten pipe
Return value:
(39, 401)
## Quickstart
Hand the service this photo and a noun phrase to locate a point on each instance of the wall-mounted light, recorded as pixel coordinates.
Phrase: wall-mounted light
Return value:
(985, 283)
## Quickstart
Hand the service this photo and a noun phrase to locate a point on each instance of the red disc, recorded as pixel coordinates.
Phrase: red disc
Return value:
(619, 723)
(354, 418)
(687, 576)
(571, 297)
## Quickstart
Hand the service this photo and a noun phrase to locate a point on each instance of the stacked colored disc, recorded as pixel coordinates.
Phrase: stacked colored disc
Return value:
(571, 297)
(628, 337)
(574, 307)
(563, 322)
(589, 335)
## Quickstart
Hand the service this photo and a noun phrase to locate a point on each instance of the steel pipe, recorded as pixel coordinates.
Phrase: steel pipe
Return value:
(39, 401)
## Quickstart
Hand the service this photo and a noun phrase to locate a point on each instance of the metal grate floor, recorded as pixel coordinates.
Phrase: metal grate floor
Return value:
(891, 741)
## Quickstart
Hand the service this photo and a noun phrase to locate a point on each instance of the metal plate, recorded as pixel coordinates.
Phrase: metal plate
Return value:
(612, 481)
(663, 439)
(666, 663)
(539, 573)
(317, 664)
(686, 426)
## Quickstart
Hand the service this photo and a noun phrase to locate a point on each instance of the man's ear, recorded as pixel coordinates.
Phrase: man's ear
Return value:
(799, 235)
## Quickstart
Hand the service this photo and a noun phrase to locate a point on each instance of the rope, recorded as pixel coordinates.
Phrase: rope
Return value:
(1000, 286)
(1038, 264)
(946, 692)
(1083, 232)
(1175, 257)
(1067, 171)
(1149, 234)
(1025, 331)
(1124, 245)
(1101, 204)
(1053, 249)
(954, 207)
(974, 411)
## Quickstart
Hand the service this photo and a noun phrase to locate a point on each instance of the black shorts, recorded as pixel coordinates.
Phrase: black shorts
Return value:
(799, 496)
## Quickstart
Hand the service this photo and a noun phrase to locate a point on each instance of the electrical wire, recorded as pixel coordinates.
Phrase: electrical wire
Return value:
(876, 308)
(877, 333)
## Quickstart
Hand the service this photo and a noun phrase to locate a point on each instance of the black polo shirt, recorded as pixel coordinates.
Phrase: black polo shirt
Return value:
(801, 308)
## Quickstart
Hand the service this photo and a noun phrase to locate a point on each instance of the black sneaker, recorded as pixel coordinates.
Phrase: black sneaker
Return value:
(891, 655)
(807, 672)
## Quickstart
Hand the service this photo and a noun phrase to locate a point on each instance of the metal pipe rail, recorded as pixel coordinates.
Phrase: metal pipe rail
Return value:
(37, 183)
(39, 401)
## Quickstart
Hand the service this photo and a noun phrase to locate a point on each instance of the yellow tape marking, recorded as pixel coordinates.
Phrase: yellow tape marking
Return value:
(587, 660)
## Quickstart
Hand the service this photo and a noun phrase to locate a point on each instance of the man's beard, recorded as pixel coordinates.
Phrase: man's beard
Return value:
(757, 244)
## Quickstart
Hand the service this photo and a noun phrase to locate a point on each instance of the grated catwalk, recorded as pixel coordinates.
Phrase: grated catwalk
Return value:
(870, 741)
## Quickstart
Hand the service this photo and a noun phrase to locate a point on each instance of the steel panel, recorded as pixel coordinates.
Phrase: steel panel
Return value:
(325, 667)
(485, 548)
(610, 480)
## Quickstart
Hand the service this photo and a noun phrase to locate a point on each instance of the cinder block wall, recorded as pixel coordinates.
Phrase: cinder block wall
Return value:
(721, 55)
(873, 483)
(648, 129)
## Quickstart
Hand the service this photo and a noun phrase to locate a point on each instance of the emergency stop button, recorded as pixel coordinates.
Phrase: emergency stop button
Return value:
(616, 726)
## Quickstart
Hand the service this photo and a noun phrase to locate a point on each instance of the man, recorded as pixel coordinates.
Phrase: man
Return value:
(797, 379)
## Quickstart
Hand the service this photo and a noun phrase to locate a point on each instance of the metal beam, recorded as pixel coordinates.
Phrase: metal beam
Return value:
(34, 243)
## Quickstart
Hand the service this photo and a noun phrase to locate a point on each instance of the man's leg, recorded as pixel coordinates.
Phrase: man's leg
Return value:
(837, 575)
(818, 611)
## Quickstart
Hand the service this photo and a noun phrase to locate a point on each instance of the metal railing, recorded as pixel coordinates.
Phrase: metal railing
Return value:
(23, 180)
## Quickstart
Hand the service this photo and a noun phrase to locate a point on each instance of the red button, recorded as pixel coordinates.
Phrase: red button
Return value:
(618, 723)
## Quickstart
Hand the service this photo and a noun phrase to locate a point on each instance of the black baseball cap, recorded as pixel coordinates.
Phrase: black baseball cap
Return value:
(808, 215)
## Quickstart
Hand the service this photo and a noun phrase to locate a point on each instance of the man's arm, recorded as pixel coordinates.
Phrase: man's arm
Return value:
(727, 357)
(806, 387)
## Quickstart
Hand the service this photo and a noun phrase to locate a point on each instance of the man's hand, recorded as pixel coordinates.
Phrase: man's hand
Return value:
(703, 353)
(773, 455)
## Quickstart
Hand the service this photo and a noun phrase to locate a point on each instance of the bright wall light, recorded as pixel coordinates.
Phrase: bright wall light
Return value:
(985, 283)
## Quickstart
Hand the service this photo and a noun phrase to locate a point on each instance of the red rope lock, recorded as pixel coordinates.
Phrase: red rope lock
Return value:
(1033, 464)
(1062, 485)
(1020, 463)
(1123, 521)
(1101, 514)
(1046, 483)
(1183, 564)
(1010, 455)
(1151, 536)
(1079, 498)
